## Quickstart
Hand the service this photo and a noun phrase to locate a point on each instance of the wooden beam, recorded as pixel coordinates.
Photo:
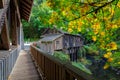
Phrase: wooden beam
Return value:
(18, 22)
(13, 25)
(14, 33)
(25, 9)
(24, 12)
(31, 8)
(0, 42)
(5, 44)
(18, 12)
(1, 4)
(25, 4)
(24, 17)
(29, 2)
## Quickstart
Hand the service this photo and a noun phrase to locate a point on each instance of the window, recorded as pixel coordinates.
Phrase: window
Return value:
(57, 42)
(49, 48)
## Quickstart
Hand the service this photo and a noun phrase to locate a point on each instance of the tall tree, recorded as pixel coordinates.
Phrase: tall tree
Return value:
(32, 29)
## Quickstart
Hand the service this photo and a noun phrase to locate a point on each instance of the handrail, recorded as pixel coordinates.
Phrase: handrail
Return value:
(56, 69)
(7, 61)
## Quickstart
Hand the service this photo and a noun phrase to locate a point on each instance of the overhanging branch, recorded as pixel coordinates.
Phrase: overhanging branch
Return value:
(95, 10)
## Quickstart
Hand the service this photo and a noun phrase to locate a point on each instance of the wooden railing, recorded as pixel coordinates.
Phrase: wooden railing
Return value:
(53, 68)
(7, 61)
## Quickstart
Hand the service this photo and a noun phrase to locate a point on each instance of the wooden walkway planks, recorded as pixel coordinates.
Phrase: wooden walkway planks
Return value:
(24, 68)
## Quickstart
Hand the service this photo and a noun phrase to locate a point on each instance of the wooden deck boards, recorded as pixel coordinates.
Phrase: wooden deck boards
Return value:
(24, 68)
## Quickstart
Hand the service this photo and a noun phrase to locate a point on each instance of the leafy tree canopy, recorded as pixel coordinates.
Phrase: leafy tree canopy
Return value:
(97, 20)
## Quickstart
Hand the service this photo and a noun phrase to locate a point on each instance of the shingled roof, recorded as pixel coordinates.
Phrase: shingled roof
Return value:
(51, 37)
(60, 32)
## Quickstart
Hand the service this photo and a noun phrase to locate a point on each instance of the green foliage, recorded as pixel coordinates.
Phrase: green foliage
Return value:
(81, 67)
(86, 62)
(81, 53)
(116, 60)
(91, 49)
(38, 21)
(64, 57)
(87, 49)
(30, 33)
(61, 56)
(118, 42)
(40, 14)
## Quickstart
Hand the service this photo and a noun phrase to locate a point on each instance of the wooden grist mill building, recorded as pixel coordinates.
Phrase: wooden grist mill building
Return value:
(11, 32)
(58, 40)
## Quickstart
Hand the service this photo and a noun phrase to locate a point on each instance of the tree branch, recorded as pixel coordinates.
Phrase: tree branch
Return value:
(95, 10)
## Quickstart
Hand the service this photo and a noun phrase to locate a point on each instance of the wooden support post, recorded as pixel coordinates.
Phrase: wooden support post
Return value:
(14, 33)
(19, 25)
(18, 13)
(4, 36)
(5, 44)
(1, 4)
(13, 25)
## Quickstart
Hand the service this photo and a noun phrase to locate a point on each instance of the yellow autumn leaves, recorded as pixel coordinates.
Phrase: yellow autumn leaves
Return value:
(96, 28)
(109, 59)
(97, 32)
(118, 4)
(112, 46)
(102, 36)
(50, 3)
(94, 38)
(75, 25)
(54, 17)
(108, 55)
(111, 26)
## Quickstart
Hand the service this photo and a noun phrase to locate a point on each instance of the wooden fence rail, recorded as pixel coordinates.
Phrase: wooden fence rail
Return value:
(7, 61)
(53, 68)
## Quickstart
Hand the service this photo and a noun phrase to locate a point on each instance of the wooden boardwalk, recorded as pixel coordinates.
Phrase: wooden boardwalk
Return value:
(24, 68)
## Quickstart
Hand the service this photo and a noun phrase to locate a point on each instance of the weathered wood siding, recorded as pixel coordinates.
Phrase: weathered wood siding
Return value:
(71, 45)
(50, 47)
(58, 43)
(47, 47)
(72, 41)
